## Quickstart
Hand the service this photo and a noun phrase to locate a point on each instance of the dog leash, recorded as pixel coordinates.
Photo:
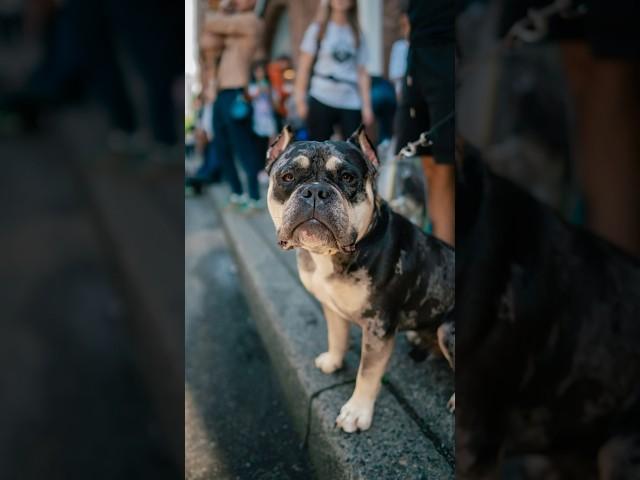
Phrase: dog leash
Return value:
(531, 28)
(535, 25)
(424, 140)
(315, 394)
(408, 151)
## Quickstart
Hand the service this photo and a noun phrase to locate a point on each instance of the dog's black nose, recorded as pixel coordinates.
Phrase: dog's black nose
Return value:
(316, 191)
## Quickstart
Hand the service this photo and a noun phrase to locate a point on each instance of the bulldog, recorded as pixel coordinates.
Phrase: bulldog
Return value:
(364, 263)
(549, 314)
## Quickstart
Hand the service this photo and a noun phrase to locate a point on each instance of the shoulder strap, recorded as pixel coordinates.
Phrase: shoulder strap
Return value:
(315, 56)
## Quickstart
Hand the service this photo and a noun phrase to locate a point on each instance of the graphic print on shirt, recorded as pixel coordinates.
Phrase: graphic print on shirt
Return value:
(341, 54)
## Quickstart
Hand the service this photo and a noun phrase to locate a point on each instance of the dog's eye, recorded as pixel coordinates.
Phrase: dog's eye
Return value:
(287, 177)
(347, 177)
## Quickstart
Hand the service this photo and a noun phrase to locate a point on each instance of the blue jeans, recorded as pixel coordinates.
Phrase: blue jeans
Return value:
(235, 138)
(211, 165)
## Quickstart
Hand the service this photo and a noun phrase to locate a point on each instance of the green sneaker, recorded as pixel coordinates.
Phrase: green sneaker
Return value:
(237, 202)
(253, 206)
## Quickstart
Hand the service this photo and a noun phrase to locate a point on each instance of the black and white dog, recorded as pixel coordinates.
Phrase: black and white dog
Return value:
(364, 263)
(549, 367)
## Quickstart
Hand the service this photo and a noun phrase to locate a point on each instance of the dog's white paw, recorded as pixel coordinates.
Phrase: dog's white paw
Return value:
(328, 363)
(355, 415)
(451, 404)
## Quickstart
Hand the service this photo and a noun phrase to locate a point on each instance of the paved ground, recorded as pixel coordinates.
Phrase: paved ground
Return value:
(412, 433)
(91, 332)
(73, 402)
(236, 426)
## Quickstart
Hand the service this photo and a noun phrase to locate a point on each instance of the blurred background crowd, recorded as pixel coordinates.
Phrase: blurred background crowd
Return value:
(91, 335)
(322, 67)
(116, 54)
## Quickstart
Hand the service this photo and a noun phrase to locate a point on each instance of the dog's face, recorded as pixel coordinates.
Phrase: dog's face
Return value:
(321, 194)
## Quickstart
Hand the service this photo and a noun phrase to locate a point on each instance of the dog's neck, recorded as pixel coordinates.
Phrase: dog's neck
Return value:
(375, 232)
(378, 224)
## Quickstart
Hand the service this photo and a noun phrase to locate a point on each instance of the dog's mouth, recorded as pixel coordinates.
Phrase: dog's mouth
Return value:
(313, 233)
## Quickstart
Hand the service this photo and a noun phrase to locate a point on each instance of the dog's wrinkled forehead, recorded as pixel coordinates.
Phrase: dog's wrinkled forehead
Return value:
(322, 156)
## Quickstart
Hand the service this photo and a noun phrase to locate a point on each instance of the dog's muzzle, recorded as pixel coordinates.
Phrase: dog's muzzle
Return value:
(315, 219)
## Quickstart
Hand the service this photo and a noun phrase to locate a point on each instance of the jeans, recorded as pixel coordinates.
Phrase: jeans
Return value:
(210, 167)
(383, 100)
(235, 138)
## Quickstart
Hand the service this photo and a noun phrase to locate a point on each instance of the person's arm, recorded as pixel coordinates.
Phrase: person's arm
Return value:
(211, 47)
(303, 74)
(364, 82)
(308, 51)
(234, 24)
(364, 85)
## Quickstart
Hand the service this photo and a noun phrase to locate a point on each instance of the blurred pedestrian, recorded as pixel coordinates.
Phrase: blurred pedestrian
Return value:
(82, 53)
(398, 56)
(331, 65)
(428, 99)
(238, 34)
(383, 102)
(264, 120)
(210, 171)
(281, 74)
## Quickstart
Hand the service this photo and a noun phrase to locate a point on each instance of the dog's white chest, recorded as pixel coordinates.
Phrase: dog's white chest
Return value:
(346, 295)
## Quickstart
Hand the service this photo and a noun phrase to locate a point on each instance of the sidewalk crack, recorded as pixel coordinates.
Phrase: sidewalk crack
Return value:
(422, 424)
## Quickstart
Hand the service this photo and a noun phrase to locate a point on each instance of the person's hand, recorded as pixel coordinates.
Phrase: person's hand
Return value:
(201, 139)
(302, 108)
(367, 116)
(227, 6)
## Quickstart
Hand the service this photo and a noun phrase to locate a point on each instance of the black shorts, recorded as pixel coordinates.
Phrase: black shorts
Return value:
(411, 120)
(322, 118)
(428, 97)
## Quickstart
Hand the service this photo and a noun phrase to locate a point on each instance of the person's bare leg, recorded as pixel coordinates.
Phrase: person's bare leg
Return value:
(607, 147)
(441, 198)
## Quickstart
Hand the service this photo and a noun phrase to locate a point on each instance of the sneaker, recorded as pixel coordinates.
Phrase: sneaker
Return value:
(263, 178)
(253, 206)
(237, 202)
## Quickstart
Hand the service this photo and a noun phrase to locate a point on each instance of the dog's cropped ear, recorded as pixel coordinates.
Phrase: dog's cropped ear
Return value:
(278, 146)
(359, 139)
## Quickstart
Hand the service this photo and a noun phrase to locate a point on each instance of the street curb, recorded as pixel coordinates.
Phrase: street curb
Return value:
(139, 269)
(293, 331)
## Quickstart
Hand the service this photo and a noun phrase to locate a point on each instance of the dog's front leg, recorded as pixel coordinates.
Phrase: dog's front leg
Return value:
(357, 413)
(338, 337)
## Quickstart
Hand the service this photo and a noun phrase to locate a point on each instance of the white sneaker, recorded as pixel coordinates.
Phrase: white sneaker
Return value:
(254, 205)
(237, 201)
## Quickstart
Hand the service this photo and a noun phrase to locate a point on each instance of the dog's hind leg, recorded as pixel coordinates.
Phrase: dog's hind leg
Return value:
(447, 343)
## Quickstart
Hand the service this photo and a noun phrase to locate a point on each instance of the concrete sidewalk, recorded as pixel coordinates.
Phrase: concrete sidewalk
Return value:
(412, 432)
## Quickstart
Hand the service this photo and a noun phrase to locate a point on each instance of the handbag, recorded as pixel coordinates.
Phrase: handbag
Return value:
(240, 108)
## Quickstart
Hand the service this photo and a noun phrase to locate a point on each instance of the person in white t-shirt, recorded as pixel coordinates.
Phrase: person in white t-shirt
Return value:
(331, 70)
(398, 57)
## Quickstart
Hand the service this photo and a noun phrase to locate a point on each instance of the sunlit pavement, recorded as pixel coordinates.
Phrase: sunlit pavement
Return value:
(236, 426)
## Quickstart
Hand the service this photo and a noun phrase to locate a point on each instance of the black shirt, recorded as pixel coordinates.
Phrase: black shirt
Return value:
(432, 22)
